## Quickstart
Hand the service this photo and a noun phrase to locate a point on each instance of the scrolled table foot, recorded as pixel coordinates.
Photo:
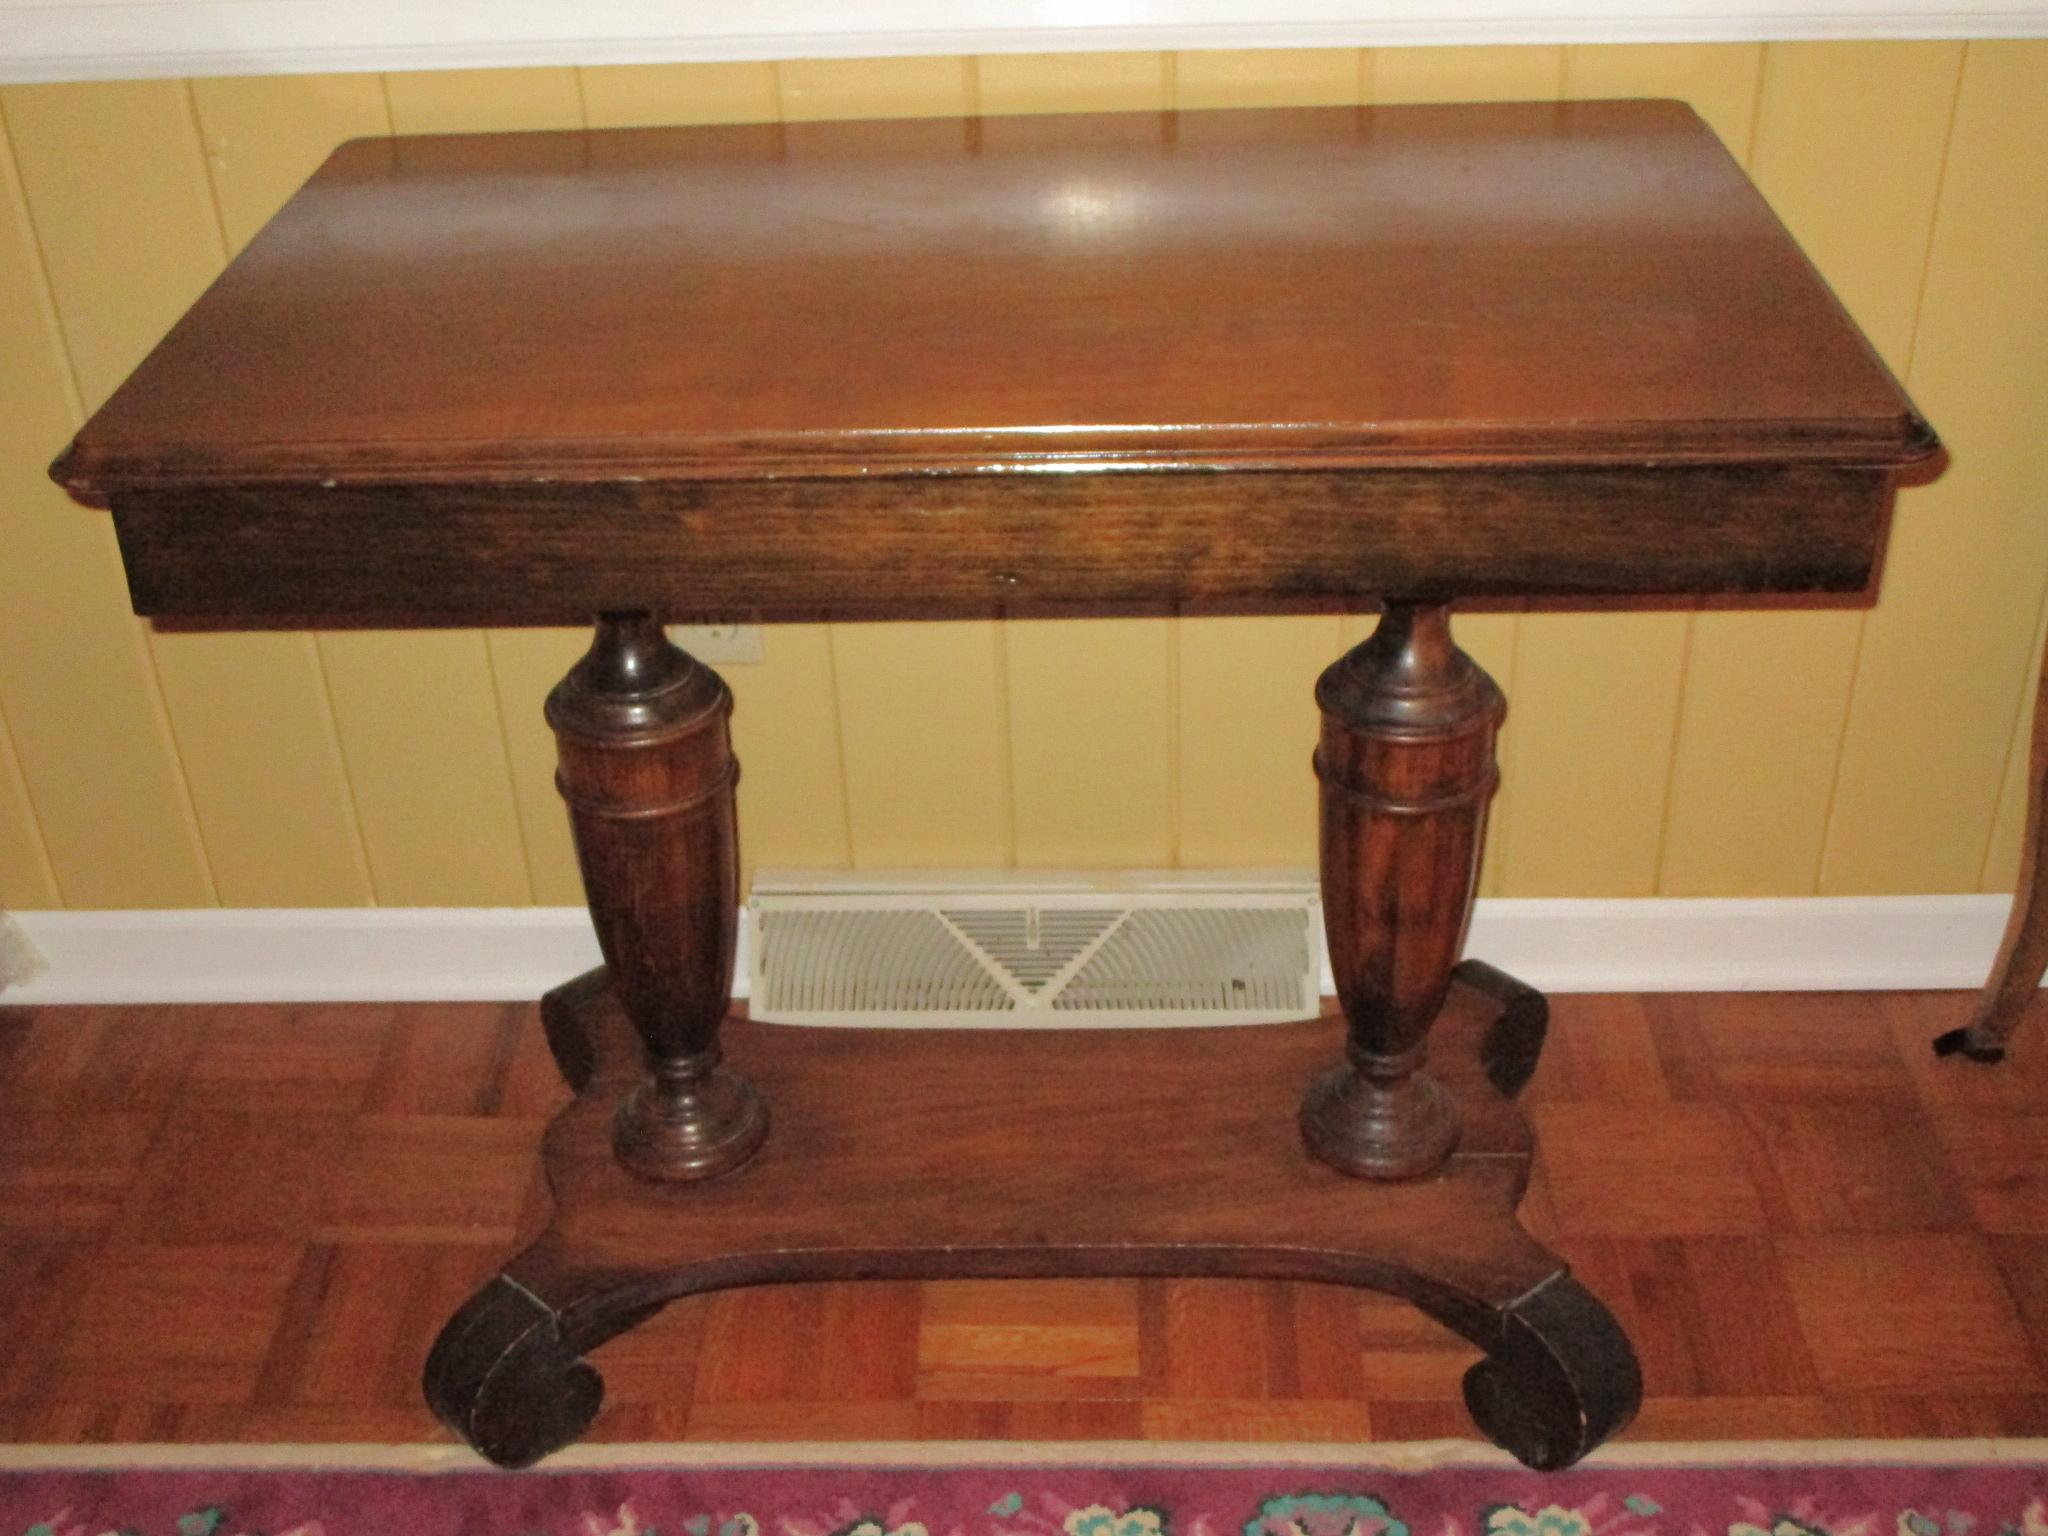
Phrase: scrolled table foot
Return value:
(565, 1018)
(1560, 1379)
(1514, 1040)
(501, 1377)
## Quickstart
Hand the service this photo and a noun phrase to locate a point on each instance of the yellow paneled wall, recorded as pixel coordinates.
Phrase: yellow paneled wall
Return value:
(1672, 752)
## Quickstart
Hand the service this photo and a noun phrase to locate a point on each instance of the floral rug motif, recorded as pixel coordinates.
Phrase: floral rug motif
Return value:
(1962, 1489)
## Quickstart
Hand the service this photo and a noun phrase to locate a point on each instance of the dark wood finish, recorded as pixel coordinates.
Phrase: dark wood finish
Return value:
(960, 545)
(941, 322)
(648, 772)
(2014, 985)
(1407, 771)
(1257, 360)
(1555, 283)
(1193, 1171)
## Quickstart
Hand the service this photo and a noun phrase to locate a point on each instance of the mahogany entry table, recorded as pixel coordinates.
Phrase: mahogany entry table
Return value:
(1242, 361)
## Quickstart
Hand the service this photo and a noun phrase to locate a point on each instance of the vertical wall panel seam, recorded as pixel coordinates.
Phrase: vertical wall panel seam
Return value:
(1006, 758)
(357, 841)
(38, 836)
(1176, 743)
(37, 839)
(970, 83)
(1367, 78)
(1948, 141)
(507, 753)
(1747, 160)
(1827, 823)
(1685, 639)
(1756, 108)
(67, 371)
(221, 249)
(360, 841)
(511, 778)
(839, 743)
(220, 219)
(348, 779)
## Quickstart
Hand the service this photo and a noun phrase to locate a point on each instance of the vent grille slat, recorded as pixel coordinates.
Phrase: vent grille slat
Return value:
(1067, 957)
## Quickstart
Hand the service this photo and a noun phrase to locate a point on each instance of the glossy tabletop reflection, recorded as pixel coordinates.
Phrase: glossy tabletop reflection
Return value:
(1589, 283)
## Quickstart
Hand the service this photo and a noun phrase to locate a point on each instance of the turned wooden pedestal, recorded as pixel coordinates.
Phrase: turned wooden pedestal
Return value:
(951, 1153)
(1249, 362)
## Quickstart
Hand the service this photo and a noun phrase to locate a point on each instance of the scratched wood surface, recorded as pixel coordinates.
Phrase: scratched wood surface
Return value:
(247, 1223)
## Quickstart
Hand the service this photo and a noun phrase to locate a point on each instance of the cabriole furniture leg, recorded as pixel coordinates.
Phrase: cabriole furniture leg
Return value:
(647, 769)
(2015, 980)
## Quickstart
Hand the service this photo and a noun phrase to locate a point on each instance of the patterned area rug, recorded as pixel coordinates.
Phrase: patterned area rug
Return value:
(1946, 1488)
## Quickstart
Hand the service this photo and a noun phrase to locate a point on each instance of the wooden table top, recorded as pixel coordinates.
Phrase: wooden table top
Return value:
(1423, 286)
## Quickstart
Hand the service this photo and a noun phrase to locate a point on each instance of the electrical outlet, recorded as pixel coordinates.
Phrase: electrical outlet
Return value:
(719, 644)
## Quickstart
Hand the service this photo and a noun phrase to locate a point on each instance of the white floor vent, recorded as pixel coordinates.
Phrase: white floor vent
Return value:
(1031, 949)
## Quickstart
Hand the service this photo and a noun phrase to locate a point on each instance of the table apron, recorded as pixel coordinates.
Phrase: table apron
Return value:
(961, 545)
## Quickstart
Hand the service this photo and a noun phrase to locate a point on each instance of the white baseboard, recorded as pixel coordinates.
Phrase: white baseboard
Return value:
(386, 954)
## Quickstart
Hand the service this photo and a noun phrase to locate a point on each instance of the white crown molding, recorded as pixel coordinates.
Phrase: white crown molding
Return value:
(453, 954)
(48, 40)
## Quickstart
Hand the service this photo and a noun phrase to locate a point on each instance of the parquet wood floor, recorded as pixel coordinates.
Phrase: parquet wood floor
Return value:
(248, 1222)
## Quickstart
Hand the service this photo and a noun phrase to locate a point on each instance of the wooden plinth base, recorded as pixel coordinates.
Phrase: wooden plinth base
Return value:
(945, 1153)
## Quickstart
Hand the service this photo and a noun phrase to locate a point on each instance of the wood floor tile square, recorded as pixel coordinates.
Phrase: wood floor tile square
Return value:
(1030, 1303)
(1941, 1416)
(1927, 1313)
(234, 1176)
(419, 1178)
(296, 1061)
(816, 1343)
(1006, 1362)
(68, 1171)
(1854, 1167)
(1616, 1170)
(451, 1059)
(2002, 1164)
(656, 1363)
(1328, 1342)
(179, 1324)
(354, 1318)
(129, 1058)
(2024, 1263)
(1803, 1047)
(531, 1084)
(41, 1279)
(1404, 1354)
(1218, 1339)
(1602, 1049)
(1709, 1316)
